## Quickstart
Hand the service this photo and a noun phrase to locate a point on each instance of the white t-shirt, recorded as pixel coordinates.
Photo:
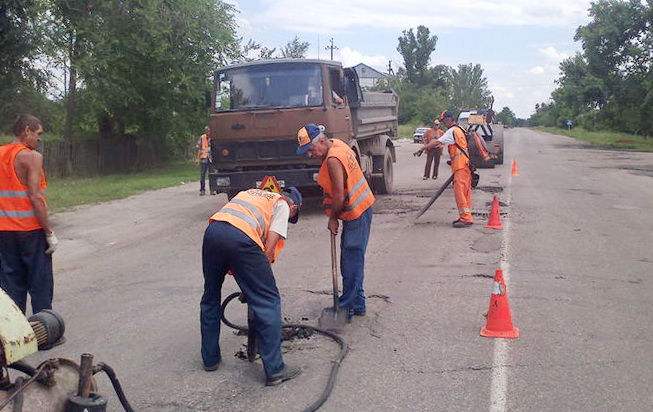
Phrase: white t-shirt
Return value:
(280, 215)
(448, 137)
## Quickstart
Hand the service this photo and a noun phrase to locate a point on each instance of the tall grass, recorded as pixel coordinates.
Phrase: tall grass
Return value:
(605, 138)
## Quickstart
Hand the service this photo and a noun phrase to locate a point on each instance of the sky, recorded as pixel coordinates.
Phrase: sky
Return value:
(519, 43)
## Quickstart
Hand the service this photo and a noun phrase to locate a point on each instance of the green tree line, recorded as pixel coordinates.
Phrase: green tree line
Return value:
(609, 85)
(426, 90)
(106, 68)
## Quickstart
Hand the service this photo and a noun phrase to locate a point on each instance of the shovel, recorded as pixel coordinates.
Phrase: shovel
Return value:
(335, 318)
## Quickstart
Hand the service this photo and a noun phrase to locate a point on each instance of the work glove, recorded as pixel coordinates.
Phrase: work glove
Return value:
(52, 243)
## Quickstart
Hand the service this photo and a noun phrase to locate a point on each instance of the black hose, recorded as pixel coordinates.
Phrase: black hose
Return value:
(21, 366)
(344, 348)
(116, 384)
(24, 386)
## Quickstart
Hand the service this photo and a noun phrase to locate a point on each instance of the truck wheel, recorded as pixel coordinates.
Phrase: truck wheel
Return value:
(383, 185)
(499, 141)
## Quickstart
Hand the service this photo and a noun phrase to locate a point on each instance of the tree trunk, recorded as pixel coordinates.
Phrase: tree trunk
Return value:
(70, 104)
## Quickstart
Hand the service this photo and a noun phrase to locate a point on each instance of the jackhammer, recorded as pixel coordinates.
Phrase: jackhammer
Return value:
(56, 385)
(295, 329)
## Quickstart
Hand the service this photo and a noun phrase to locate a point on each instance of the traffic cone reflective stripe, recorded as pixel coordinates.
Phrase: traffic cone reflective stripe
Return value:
(499, 320)
(494, 222)
(515, 172)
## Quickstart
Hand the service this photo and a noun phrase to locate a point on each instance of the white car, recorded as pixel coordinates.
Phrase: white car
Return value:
(418, 134)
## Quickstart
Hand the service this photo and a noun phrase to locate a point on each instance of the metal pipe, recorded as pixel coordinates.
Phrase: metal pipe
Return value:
(85, 373)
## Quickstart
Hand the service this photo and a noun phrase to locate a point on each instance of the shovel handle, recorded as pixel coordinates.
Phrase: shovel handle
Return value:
(334, 273)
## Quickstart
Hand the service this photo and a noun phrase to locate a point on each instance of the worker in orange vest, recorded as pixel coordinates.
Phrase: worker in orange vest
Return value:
(245, 237)
(432, 155)
(347, 197)
(26, 237)
(203, 147)
(455, 138)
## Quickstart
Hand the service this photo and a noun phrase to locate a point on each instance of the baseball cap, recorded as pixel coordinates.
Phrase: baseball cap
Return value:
(445, 114)
(305, 136)
(296, 196)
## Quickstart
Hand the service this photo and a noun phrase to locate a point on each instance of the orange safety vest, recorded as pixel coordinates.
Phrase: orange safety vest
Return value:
(16, 210)
(358, 195)
(458, 159)
(204, 147)
(251, 212)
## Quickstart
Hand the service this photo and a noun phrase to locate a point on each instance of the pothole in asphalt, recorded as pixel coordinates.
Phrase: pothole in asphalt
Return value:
(490, 189)
(392, 206)
(478, 275)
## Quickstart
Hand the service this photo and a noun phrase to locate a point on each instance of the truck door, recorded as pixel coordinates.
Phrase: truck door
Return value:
(352, 86)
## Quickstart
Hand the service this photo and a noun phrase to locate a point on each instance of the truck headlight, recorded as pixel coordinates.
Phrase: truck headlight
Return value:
(223, 181)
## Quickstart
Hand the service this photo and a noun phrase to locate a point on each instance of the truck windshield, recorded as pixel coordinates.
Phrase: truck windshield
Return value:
(269, 86)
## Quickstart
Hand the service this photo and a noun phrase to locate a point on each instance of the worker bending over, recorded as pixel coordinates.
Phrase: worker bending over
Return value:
(347, 197)
(246, 236)
(455, 138)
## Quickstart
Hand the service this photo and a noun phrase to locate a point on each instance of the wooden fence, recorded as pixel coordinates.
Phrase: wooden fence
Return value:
(96, 157)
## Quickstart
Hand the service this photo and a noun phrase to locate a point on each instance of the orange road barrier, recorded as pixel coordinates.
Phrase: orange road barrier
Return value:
(499, 320)
(515, 172)
(494, 222)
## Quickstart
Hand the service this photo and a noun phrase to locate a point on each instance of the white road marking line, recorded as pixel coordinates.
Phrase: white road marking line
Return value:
(499, 383)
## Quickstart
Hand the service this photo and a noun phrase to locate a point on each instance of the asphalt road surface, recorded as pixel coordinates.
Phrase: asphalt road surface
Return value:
(575, 250)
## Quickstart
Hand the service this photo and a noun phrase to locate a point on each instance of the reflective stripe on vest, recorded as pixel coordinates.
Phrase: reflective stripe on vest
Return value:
(16, 209)
(358, 196)
(458, 158)
(251, 212)
(204, 147)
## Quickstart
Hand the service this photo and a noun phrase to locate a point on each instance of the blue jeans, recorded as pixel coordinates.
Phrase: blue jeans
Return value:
(204, 167)
(353, 243)
(226, 247)
(25, 268)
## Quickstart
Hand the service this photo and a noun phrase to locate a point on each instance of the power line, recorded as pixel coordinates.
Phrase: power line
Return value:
(331, 47)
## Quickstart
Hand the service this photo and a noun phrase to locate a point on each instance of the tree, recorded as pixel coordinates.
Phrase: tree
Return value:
(416, 51)
(507, 117)
(20, 80)
(468, 87)
(295, 49)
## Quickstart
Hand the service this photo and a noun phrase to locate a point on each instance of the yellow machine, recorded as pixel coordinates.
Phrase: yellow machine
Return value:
(56, 385)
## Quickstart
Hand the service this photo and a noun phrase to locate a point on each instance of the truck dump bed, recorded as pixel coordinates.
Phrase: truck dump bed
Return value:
(376, 114)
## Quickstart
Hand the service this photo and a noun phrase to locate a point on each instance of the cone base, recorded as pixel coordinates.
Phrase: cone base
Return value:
(498, 227)
(509, 334)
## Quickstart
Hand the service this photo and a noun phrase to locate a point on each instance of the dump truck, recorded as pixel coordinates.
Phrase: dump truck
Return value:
(258, 107)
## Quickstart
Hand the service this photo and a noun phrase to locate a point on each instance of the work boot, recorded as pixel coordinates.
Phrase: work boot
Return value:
(287, 373)
(214, 367)
(202, 193)
(460, 223)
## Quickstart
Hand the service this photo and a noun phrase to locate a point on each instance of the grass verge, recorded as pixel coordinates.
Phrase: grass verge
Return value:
(406, 130)
(65, 193)
(604, 138)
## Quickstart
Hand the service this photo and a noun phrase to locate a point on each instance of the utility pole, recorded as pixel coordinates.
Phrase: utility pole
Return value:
(390, 71)
(331, 47)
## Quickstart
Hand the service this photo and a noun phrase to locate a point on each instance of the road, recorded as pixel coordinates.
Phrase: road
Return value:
(576, 251)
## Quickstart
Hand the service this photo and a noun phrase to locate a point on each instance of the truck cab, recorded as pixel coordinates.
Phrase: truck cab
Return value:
(258, 107)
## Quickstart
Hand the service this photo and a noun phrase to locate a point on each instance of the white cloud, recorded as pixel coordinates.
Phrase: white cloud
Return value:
(334, 16)
(553, 54)
(537, 70)
(350, 57)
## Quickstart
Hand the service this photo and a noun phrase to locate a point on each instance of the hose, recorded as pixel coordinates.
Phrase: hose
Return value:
(31, 380)
(21, 366)
(344, 348)
(103, 367)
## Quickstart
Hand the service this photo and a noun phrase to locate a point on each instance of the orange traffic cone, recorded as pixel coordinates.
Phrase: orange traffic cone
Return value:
(515, 172)
(499, 320)
(494, 222)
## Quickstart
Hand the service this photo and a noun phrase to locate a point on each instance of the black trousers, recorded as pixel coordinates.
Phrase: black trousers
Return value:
(25, 268)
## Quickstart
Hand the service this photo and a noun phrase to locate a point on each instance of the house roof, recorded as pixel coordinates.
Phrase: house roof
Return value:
(366, 71)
